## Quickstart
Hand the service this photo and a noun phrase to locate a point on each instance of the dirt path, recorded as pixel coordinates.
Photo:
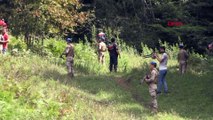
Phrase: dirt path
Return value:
(123, 83)
(126, 84)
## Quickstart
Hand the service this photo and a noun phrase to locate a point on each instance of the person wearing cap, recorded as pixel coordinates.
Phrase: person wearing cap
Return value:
(69, 53)
(151, 80)
(163, 60)
(182, 59)
(102, 36)
(102, 48)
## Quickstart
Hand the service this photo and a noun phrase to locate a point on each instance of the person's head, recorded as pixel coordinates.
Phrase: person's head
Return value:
(112, 40)
(153, 65)
(181, 46)
(162, 49)
(69, 40)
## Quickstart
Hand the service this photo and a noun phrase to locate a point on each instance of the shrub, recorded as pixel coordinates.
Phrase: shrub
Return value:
(17, 43)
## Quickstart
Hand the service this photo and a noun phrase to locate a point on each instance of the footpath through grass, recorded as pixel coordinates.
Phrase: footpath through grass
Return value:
(34, 88)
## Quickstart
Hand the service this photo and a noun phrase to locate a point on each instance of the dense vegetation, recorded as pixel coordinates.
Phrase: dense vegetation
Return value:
(135, 21)
(147, 21)
(34, 82)
(36, 87)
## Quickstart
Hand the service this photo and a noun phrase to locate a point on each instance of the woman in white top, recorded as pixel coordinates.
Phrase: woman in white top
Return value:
(162, 70)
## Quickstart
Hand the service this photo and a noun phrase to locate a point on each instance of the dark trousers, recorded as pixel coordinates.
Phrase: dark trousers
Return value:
(113, 63)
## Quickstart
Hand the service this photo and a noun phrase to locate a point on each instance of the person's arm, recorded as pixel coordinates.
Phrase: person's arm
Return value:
(152, 77)
(186, 55)
(99, 47)
(117, 50)
(73, 51)
(6, 38)
(178, 57)
(65, 52)
(160, 59)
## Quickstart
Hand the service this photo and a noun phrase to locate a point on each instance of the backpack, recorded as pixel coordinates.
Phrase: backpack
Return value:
(103, 47)
(111, 47)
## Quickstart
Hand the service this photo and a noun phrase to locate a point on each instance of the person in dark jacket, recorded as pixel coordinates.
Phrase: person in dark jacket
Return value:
(113, 53)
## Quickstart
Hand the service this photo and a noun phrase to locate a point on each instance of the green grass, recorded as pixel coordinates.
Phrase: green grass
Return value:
(37, 88)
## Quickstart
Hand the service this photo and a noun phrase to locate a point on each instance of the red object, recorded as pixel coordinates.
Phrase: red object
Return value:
(176, 24)
(6, 38)
(2, 23)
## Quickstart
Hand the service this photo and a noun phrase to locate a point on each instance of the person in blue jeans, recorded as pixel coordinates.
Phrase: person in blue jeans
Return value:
(163, 60)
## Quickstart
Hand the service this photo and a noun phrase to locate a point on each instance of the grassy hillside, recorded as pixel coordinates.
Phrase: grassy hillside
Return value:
(34, 87)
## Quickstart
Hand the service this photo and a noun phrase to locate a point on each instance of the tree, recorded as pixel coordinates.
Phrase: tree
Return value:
(43, 17)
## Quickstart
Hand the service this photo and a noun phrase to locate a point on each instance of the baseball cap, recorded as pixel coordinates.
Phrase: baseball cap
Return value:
(153, 63)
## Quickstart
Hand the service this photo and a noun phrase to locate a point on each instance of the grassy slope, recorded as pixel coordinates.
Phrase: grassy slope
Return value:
(34, 88)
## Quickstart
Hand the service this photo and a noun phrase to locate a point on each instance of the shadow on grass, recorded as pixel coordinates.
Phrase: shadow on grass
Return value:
(190, 96)
(104, 88)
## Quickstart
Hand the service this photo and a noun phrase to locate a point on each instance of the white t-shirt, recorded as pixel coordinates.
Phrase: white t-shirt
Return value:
(163, 63)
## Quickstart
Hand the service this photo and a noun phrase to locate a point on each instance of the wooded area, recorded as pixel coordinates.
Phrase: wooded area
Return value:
(136, 21)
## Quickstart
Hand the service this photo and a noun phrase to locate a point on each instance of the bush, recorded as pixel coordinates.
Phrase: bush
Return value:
(17, 43)
(54, 46)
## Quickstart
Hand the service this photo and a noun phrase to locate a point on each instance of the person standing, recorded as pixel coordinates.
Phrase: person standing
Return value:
(163, 60)
(69, 53)
(113, 53)
(182, 59)
(102, 48)
(151, 80)
(5, 41)
(1, 39)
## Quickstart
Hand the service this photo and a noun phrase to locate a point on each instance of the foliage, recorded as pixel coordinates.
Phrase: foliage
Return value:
(17, 43)
(135, 21)
(34, 87)
(54, 46)
(146, 21)
(43, 17)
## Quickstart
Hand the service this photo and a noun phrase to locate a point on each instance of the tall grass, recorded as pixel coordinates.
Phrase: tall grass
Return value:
(36, 86)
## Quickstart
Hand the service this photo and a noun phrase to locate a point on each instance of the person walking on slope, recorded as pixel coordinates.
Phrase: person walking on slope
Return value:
(113, 53)
(182, 59)
(102, 48)
(163, 60)
(69, 53)
(151, 80)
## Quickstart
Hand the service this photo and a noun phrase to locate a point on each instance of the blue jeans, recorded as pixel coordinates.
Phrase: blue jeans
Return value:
(162, 81)
(4, 50)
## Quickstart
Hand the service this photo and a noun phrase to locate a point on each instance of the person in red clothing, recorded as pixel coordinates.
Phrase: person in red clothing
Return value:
(4, 41)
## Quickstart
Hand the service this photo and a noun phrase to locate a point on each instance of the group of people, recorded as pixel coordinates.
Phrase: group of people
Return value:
(157, 79)
(4, 38)
(112, 47)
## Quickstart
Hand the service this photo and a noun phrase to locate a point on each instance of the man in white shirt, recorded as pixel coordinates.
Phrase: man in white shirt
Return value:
(162, 70)
(102, 48)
